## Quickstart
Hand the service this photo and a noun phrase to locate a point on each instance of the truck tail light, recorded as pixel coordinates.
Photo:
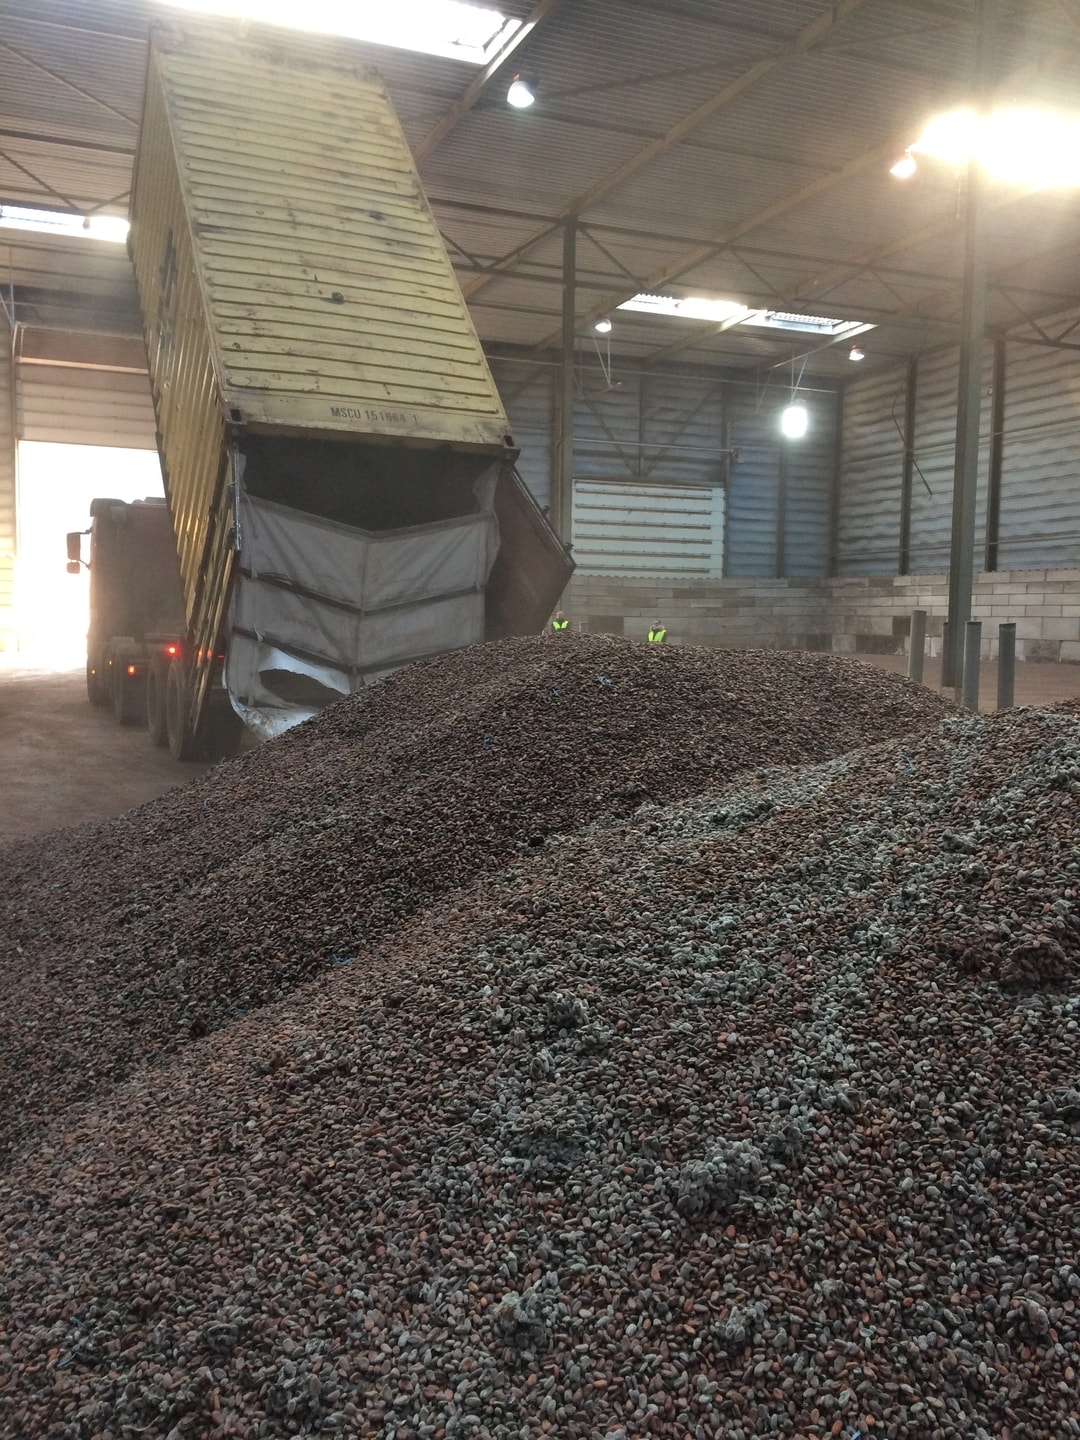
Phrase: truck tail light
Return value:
(132, 669)
(172, 649)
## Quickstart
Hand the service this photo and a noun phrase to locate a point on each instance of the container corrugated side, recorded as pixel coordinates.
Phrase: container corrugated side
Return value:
(187, 402)
(331, 298)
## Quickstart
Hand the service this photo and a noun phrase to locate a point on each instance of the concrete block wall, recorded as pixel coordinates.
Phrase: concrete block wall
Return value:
(718, 612)
(854, 615)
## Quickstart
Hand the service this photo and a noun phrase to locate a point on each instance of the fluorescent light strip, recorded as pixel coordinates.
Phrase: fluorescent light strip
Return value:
(450, 28)
(62, 222)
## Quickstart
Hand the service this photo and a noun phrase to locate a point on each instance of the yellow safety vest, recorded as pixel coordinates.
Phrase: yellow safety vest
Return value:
(656, 637)
(560, 624)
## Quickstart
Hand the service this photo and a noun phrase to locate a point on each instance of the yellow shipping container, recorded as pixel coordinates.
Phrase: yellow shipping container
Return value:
(276, 172)
(337, 460)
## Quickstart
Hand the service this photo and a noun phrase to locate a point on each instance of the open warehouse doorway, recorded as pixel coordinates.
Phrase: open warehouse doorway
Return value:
(55, 485)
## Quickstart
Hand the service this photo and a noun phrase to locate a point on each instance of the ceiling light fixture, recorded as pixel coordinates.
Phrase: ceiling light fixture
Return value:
(905, 167)
(856, 353)
(603, 326)
(1037, 149)
(794, 420)
(522, 91)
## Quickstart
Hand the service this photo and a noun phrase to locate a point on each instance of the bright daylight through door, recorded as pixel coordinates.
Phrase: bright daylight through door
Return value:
(56, 485)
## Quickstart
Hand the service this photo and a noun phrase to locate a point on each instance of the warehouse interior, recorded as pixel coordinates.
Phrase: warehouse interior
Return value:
(725, 169)
(448, 992)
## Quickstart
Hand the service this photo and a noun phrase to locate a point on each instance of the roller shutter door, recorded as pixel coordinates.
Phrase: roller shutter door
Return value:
(621, 528)
(78, 388)
(85, 407)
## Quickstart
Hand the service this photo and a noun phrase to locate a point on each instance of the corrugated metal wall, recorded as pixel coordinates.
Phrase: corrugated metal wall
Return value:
(872, 462)
(808, 493)
(666, 426)
(1040, 492)
(673, 427)
(778, 513)
(7, 490)
(1040, 485)
(84, 407)
(527, 389)
(935, 458)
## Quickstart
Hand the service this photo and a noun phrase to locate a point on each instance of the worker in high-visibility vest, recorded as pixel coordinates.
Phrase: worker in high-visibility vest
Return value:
(657, 633)
(560, 623)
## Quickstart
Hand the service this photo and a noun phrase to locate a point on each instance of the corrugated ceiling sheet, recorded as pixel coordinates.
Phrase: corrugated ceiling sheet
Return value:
(70, 86)
(935, 460)
(540, 155)
(64, 177)
(615, 75)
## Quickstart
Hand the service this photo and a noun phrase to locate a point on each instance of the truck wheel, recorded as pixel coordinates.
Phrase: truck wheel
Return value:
(157, 679)
(127, 695)
(97, 688)
(223, 729)
(182, 739)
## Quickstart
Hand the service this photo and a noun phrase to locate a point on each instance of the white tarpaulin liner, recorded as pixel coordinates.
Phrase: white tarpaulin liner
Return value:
(321, 609)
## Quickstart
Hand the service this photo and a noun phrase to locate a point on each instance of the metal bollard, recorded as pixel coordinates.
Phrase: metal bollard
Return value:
(972, 649)
(917, 647)
(1006, 696)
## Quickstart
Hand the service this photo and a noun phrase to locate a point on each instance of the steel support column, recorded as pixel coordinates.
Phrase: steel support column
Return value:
(832, 557)
(782, 478)
(907, 473)
(562, 479)
(965, 474)
(997, 448)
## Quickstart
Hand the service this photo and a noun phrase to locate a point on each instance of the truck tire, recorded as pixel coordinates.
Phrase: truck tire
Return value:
(127, 695)
(183, 742)
(157, 723)
(97, 688)
(223, 729)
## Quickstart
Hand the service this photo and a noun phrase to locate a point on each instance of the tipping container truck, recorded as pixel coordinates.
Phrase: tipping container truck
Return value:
(337, 462)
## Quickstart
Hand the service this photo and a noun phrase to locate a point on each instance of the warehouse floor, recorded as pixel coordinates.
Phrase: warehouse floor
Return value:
(62, 762)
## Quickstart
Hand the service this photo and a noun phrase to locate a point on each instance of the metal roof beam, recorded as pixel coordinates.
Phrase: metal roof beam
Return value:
(42, 185)
(785, 203)
(674, 268)
(461, 107)
(809, 36)
(127, 152)
(69, 84)
(932, 303)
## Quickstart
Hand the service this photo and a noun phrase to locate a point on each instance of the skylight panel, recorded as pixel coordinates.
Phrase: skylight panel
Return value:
(733, 312)
(64, 222)
(451, 28)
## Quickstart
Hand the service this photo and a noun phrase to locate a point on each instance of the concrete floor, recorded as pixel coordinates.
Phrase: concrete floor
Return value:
(63, 762)
(1035, 684)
